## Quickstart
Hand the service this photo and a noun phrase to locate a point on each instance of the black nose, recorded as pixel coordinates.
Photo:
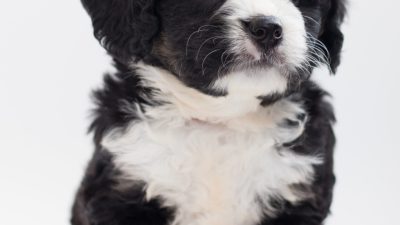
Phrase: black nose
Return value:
(265, 30)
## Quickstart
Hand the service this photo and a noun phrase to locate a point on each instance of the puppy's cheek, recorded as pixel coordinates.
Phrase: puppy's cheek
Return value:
(294, 44)
(294, 48)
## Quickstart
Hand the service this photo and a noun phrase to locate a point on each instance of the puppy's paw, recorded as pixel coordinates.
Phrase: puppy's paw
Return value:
(290, 120)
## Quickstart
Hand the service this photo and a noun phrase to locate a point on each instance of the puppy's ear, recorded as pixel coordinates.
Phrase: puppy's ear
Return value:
(331, 34)
(125, 28)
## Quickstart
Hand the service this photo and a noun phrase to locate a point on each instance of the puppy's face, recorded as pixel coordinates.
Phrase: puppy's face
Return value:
(204, 41)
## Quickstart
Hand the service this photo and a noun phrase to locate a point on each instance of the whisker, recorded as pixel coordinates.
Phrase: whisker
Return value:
(201, 46)
(312, 19)
(319, 50)
(319, 43)
(196, 32)
(204, 60)
(225, 64)
(222, 56)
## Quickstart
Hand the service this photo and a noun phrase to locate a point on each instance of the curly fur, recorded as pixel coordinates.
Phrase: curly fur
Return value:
(125, 28)
(184, 85)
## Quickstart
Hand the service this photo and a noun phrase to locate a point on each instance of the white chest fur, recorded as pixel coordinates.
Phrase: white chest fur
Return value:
(212, 175)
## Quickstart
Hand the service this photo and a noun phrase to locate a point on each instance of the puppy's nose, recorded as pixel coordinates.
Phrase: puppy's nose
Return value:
(265, 30)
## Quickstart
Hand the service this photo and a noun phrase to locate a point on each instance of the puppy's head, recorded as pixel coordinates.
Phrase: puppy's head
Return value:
(204, 41)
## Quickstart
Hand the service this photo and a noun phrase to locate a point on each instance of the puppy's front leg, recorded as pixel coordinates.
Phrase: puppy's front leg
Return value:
(289, 119)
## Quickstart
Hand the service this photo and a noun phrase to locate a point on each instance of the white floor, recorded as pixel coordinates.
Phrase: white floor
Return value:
(49, 62)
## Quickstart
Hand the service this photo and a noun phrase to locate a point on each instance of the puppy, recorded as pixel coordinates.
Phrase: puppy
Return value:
(211, 118)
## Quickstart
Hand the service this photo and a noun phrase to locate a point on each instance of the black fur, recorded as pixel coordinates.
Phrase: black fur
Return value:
(150, 31)
(331, 35)
(98, 201)
(109, 114)
(125, 28)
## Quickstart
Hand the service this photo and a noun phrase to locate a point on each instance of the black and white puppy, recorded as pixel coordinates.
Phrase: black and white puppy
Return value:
(211, 118)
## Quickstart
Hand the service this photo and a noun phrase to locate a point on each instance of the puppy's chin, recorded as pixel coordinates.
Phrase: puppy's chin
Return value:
(257, 74)
(263, 64)
(253, 58)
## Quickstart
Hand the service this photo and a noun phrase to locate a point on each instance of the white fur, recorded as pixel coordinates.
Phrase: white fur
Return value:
(243, 90)
(214, 159)
(293, 47)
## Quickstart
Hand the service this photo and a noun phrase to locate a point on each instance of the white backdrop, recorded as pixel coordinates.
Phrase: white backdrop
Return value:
(49, 62)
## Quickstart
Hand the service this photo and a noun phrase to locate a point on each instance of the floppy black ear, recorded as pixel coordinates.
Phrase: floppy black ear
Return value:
(125, 28)
(331, 34)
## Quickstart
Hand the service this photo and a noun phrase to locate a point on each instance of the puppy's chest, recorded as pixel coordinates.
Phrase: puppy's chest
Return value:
(211, 175)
